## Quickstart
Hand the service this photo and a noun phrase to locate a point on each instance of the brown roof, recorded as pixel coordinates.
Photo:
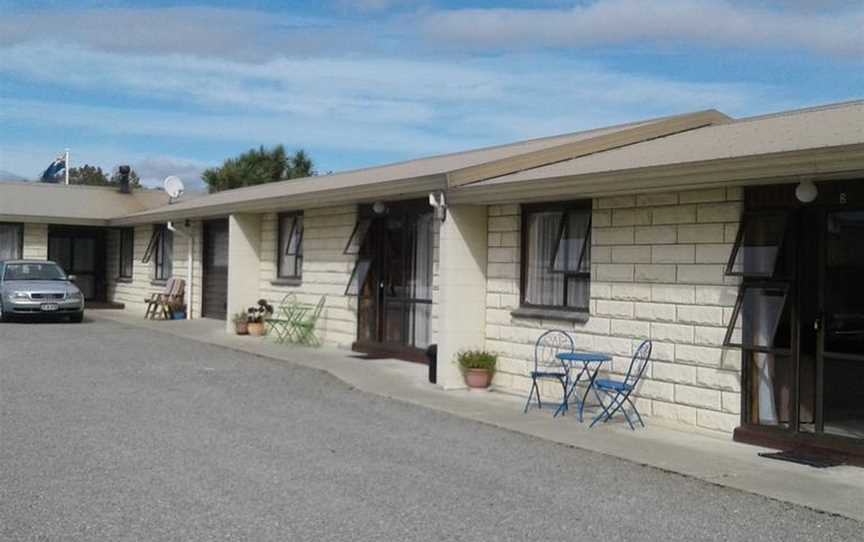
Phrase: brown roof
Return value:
(71, 204)
(404, 179)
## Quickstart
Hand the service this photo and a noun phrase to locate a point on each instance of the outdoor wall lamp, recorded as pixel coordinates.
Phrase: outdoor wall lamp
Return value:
(436, 200)
(379, 207)
(806, 191)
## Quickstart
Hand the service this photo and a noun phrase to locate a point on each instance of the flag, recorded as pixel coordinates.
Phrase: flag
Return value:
(54, 170)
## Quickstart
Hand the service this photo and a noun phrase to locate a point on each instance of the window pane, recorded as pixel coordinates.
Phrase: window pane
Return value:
(578, 292)
(10, 241)
(542, 286)
(771, 390)
(572, 253)
(296, 236)
(358, 236)
(127, 251)
(758, 245)
(358, 277)
(761, 318)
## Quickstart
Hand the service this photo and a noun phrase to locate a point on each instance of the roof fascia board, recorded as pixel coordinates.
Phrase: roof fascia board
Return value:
(389, 191)
(36, 219)
(830, 162)
(569, 151)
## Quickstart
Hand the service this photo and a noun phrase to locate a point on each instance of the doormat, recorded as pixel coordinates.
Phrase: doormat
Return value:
(817, 461)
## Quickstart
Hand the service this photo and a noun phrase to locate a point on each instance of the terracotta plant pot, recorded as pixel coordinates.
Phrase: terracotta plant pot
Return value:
(478, 379)
(256, 329)
(242, 328)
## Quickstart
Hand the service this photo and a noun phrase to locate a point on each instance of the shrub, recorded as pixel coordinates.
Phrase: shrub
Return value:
(477, 359)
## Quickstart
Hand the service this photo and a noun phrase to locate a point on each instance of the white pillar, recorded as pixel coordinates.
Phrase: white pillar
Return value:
(244, 263)
(462, 289)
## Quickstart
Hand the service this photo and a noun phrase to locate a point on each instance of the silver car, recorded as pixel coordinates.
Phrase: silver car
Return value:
(38, 287)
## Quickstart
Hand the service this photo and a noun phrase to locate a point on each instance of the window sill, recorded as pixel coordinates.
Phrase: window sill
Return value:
(158, 282)
(541, 313)
(124, 280)
(286, 282)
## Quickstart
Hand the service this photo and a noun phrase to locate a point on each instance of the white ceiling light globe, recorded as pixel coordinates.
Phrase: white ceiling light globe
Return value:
(806, 191)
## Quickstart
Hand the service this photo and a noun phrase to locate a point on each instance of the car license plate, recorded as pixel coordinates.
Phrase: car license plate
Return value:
(48, 307)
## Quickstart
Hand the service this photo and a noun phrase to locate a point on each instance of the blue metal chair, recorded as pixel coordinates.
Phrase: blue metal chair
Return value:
(547, 366)
(618, 392)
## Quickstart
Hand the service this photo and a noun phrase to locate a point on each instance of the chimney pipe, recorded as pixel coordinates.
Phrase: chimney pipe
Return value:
(124, 179)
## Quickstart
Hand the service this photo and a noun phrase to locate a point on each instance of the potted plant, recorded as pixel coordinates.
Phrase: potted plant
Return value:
(241, 323)
(478, 366)
(257, 315)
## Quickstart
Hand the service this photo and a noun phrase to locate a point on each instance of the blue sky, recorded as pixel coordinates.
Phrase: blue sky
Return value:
(174, 87)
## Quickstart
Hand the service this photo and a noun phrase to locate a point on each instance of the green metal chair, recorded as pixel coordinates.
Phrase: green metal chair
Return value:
(304, 326)
(282, 322)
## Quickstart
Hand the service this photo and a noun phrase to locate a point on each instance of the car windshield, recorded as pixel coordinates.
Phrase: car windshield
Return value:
(33, 271)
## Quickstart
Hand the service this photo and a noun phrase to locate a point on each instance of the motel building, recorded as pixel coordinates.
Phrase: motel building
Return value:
(735, 245)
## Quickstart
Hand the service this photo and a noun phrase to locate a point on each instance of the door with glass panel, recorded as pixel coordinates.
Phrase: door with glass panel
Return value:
(80, 252)
(839, 325)
(799, 316)
(392, 279)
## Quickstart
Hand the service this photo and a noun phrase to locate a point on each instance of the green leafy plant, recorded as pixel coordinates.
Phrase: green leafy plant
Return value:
(477, 359)
(240, 318)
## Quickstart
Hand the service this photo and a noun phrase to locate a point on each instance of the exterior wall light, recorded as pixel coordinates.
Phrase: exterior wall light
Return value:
(806, 191)
(379, 207)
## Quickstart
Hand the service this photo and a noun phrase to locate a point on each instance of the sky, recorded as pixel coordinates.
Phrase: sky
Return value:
(175, 87)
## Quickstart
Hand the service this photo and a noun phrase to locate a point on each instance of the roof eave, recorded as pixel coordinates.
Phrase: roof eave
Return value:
(818, 163)
(389, 191)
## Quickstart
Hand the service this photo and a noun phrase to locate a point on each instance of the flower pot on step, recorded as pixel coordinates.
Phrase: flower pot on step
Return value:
(478, 379)
(256, 329)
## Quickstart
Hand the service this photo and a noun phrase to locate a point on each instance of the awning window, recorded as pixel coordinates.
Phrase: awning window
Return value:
(758, 245)
(358, 237)
(151, 245)
(760, 318)
(571, 254)
(358, 277)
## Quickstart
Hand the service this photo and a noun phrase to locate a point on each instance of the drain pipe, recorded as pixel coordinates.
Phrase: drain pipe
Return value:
(189, 248)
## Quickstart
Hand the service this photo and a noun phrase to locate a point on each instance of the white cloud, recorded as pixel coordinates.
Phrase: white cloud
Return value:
(711, 23)
(363, 104)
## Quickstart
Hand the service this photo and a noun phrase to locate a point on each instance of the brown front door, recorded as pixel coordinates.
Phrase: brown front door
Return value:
(214, 303)
(395, 296)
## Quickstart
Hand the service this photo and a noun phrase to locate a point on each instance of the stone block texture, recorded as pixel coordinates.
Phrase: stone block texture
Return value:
(326, 271)
(657, 272)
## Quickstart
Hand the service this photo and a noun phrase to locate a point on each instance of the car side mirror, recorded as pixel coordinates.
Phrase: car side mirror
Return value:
(71, 278)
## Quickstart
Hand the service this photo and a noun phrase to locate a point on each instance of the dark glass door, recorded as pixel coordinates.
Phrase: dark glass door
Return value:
(840, 326)
(214, 303)
(80, 252)
(394, 281)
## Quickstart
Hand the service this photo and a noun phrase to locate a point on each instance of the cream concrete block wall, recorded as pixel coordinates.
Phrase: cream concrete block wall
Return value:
(133, 292)
(657, 271)
(35, 241)
(326, 270)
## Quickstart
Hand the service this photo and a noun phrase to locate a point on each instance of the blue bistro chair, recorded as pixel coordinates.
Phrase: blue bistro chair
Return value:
(547, 366)
(617, 392)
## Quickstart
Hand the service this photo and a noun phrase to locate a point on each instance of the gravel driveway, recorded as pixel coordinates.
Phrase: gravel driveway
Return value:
(108, 432)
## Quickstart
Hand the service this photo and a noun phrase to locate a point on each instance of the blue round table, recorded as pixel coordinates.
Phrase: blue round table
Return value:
(585, 361)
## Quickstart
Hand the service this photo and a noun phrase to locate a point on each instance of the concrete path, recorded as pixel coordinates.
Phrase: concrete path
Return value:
(115, 432)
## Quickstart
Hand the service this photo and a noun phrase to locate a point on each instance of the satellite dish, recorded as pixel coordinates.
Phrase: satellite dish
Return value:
(173, 186)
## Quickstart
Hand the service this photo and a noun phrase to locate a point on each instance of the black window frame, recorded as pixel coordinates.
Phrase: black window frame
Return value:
(565, 207)
(298, 253)
(781, 278)
(20, 228)
(126, 253)
(160, 248)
